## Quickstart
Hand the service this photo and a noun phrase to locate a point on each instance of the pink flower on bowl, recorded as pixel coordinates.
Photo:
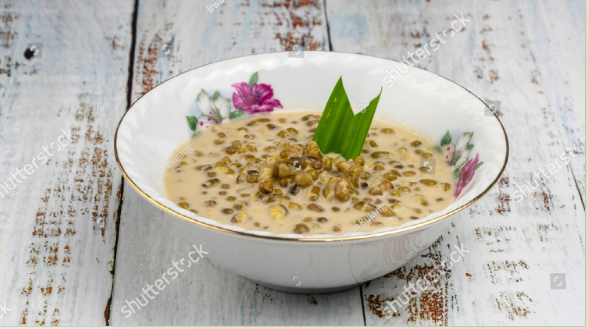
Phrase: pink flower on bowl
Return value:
(254, 99)
(466, 174)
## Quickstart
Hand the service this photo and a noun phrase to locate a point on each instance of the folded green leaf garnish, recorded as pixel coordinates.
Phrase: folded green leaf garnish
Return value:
(335, 120)
(339, 130)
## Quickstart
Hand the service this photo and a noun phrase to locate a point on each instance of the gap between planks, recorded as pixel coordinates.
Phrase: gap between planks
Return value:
(107, 310)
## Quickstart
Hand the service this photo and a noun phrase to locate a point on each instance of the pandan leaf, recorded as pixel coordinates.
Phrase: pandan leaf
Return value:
(192, 122)
(478, 165)
(447, 139)
(216, 95)
(339, 130)
(335, 121)
(237, 114)
(358, 130)
(457, 173)
(253, 79)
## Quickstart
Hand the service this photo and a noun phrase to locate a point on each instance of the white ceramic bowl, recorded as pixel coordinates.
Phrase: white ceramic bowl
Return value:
(425, 102)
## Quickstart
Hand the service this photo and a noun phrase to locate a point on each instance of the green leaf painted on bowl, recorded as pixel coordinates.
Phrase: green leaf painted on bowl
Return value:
(192, 121)
(457, 173)
(216, 95)
(237, 114)
(447, 139)
(253, 79)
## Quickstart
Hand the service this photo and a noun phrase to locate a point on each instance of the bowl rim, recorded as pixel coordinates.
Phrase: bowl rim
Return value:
(336, 239)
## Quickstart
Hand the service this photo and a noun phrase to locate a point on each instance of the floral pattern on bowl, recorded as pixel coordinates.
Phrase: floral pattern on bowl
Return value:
(457, 156)
(250, 98)
(253, 98)
(148, 133)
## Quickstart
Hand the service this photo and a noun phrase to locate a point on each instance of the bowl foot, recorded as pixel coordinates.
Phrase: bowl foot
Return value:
(306, 291)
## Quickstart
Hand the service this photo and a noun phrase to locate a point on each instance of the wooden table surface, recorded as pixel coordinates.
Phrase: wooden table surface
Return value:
(77, 241)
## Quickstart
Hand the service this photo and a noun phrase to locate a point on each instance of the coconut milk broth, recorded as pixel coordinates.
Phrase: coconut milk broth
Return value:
(417, 190)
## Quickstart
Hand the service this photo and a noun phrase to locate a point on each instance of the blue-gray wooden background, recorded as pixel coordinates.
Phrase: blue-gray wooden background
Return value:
(76, 241)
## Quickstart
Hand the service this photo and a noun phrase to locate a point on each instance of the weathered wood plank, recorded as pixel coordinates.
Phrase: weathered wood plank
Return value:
(205, 294)
(59, 225)
(236, 28)
(209, 295)
(562, 47)
(514, 246)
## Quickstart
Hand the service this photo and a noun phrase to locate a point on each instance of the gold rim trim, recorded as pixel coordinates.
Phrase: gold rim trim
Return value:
(368, 236)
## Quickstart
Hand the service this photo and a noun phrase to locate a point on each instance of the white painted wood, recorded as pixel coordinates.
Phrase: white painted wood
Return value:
(208, 295)
(56, 256)
(60, 259)
(558, 44)
(234, 29)
(205, 294)
(505, 279)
